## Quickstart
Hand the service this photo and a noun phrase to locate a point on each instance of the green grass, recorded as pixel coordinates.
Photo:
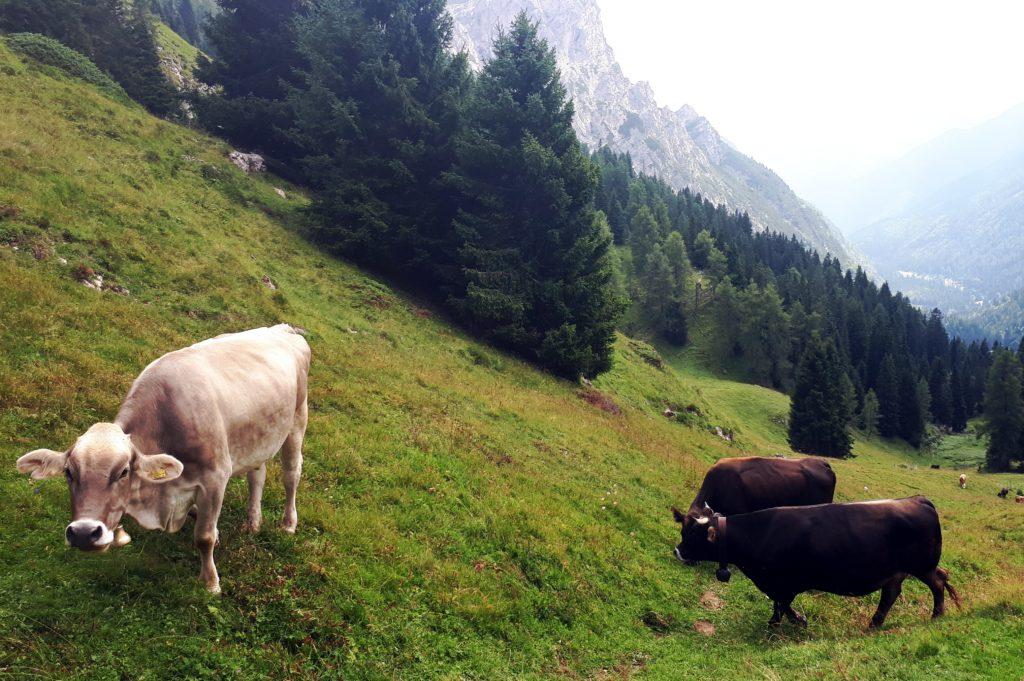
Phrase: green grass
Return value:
(462, 515)
(962, 450)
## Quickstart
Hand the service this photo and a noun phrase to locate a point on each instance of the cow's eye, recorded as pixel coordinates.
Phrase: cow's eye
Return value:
(124, 474)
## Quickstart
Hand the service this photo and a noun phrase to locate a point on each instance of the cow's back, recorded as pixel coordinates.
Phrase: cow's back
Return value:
(745, 485)
(840, 548)
(233, 398)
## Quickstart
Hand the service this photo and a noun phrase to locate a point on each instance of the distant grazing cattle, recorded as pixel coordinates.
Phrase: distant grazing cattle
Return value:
(746, 484)
(935, 466)
(1019, 499)
(849, 549)
(192, 419)
(963, 481)
(1003, 493)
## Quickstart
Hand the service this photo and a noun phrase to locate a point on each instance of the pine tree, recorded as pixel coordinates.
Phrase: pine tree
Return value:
(959, 407)
(536, 263)
(887, 389)
(643, 237)
(819, 412)
(939, 388)
(912, 413)
(258, 61)
(869, 414)
(1004, 412)
(675, 251)
(658, 283)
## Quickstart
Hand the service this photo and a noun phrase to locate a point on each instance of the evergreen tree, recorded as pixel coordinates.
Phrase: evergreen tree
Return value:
(538, 274)
(819, 412)
(764, 335)
(376, 118)
(659, 283)
(887, 389)
(958, 410)
(703, 246)
(912, 413)
(675, 251)
(643, 237)
(939, 388)
(869, 414)
(1004, 412)
(258, 61)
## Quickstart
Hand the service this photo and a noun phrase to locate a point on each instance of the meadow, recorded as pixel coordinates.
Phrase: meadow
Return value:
(461, 514)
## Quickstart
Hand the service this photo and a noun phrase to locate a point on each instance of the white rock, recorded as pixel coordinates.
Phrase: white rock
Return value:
(248, 163)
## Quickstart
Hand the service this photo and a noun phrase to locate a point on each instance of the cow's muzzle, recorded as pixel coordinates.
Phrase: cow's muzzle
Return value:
(88, 535)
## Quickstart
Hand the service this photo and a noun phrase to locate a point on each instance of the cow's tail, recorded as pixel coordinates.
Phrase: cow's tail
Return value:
(944, 576)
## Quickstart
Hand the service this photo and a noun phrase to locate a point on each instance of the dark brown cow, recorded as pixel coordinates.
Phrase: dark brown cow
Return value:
(747, 484)
(848, 549)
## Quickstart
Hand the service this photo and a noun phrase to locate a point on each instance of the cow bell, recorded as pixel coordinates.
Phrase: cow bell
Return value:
(723, 574)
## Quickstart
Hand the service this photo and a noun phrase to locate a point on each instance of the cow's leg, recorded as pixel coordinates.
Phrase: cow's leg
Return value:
(207, 513)
(256, 480)
(890, 592)
(936, 581)
(793, 615)
(776, 614)
(291, 462)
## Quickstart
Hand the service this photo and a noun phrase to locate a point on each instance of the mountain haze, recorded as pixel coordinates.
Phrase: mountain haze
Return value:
(944, 223)
(680, 145)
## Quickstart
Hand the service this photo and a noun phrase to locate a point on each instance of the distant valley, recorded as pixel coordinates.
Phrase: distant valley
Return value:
(945, 223)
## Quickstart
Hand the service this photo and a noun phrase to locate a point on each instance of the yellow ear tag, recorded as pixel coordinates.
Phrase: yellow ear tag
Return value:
(159, 474)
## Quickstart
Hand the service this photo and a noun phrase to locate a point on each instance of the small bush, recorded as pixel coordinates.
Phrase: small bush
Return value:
(50, 52)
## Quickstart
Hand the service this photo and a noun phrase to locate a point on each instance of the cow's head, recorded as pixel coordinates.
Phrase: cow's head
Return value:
(697, 541)
(104, 471)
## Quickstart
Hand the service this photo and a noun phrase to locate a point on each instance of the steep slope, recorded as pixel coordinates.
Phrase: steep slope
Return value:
(461, 514)
(680, 146)
(944, 223)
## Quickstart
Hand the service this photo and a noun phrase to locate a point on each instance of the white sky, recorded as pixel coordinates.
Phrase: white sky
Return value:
(819, 90)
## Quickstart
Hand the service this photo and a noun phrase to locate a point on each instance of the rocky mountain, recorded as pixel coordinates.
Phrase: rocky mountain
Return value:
(679, 145)
(945, 223)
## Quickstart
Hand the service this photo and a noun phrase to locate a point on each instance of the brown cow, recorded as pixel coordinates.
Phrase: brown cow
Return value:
(849, 549)
(746, 484)
(192, 419)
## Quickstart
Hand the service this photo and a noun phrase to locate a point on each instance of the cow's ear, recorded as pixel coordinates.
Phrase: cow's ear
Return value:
(679, 517)
(712, 535)
(157, 468)
(42, 463)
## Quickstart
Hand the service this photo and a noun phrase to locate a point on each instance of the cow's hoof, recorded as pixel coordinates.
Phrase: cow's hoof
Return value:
(288, 528)
(249, 527)
(213, 589)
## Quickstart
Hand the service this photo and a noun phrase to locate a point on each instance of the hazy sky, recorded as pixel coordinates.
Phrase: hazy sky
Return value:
(821, 90)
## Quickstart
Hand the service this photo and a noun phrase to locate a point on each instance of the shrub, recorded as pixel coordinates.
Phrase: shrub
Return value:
(51, 52)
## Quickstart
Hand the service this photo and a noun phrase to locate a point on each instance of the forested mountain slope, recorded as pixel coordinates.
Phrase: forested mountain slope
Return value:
(461, 513)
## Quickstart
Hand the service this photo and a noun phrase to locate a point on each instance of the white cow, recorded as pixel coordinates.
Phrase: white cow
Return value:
(192, 419)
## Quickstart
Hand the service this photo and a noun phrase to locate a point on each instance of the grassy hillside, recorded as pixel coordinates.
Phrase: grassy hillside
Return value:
(461, 514)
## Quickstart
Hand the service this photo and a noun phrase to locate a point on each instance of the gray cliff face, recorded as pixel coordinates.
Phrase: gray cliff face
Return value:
(680, 146)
